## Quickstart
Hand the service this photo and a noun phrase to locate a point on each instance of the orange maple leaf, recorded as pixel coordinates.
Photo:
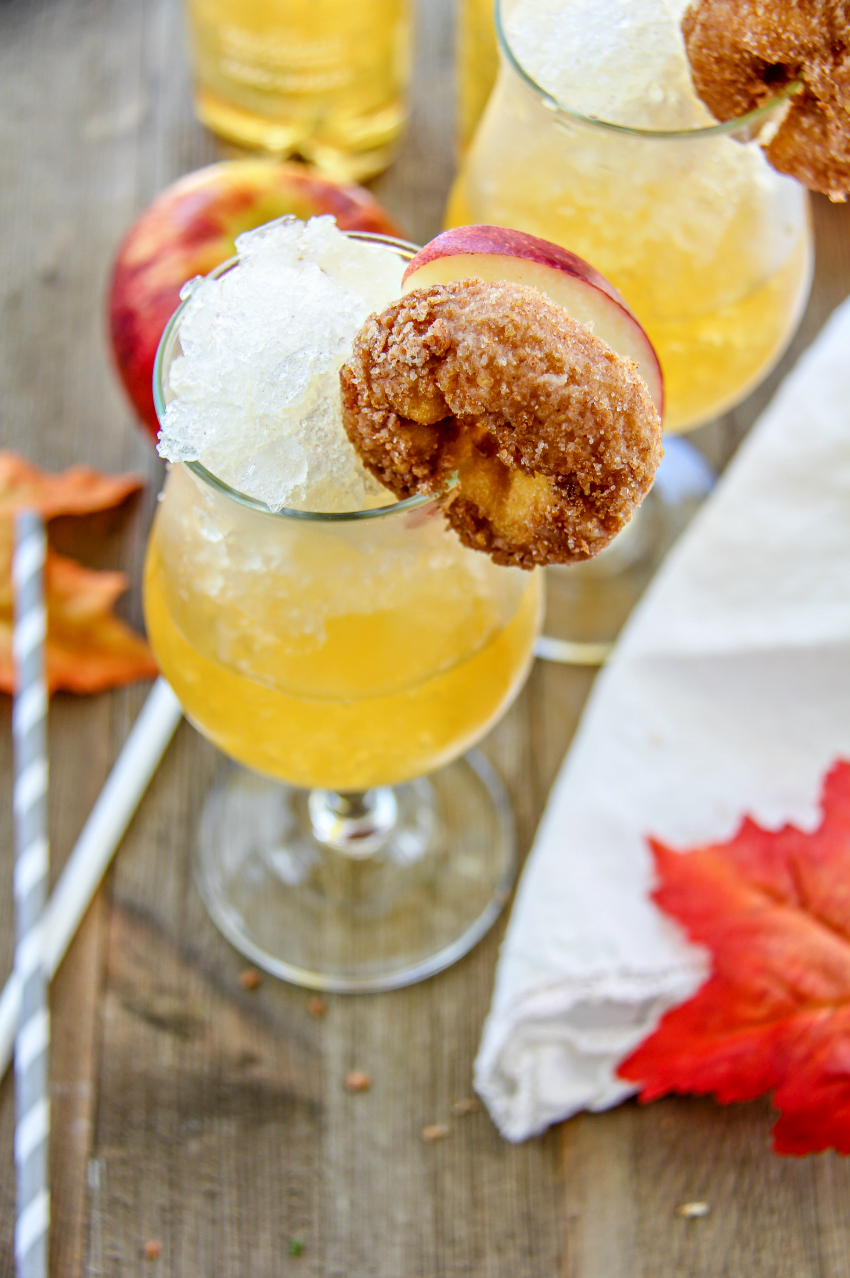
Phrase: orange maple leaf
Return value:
(88, 649)
(774, 1015)
(76, 491)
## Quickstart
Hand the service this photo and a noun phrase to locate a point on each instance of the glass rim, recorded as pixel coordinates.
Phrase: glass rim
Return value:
(207, 477)
(735, 125)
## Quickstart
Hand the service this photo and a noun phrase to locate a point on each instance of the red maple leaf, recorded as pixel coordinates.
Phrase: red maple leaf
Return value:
(774, 1015)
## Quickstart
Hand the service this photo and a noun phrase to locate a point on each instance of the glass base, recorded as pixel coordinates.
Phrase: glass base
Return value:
(425, 883)
(588, 604)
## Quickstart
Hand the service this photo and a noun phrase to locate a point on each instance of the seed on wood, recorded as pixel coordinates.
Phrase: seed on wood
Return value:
(358, 1081)
(692, 1211)
(435, 1131)
(466, 1106)
(153, 1249)
(317, 1006)
(250, 979)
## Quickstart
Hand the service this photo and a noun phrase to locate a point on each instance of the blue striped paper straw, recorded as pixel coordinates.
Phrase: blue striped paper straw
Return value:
(29, 727)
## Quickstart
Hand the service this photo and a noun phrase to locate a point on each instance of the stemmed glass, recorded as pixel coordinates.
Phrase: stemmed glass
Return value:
(710, 247)
(344, 662)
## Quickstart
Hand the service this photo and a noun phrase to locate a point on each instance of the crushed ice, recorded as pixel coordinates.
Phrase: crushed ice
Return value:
(256, 389)
(623, 61)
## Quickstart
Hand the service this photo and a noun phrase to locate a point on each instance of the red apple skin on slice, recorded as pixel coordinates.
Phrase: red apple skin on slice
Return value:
(497, 253)
(190, 228)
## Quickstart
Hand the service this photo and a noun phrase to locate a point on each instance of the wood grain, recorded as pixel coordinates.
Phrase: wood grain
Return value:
(187, 1110)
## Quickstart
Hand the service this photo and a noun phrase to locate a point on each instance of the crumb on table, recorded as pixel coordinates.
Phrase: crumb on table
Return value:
(435, 1131)
(467, 1105)
(693, 1211)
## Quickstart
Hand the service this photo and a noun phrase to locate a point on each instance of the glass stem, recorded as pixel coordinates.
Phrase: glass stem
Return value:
(355, 824)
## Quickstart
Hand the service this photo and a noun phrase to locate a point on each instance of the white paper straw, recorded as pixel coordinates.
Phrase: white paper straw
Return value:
(29, 727)
(96, 845)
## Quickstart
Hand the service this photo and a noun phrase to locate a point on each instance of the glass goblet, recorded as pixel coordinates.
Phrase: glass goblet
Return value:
(344, 662)
(711, 249)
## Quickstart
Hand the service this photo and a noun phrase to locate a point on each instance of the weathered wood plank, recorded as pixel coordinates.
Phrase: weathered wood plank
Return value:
(627, 1171)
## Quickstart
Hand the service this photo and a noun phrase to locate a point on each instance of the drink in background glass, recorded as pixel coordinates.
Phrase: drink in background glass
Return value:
(347, 646)
(477, 63)
(594, 138)
(323, 79)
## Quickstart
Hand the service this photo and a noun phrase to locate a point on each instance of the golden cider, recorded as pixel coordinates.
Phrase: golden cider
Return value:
(323, 79)
(711, 353)
(346, 654)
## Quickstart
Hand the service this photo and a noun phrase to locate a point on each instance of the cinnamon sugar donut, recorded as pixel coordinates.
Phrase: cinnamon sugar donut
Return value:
(553, 437)
(745, 52)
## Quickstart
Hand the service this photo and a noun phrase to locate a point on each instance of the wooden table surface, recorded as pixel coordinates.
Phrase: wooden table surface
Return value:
(187, 1110)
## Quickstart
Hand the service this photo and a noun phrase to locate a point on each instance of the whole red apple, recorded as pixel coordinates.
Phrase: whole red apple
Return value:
(190, 228)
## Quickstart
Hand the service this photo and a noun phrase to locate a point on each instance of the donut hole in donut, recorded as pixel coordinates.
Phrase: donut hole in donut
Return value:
(527, 519)
(495, 511)
(510, 501)
(776, 75)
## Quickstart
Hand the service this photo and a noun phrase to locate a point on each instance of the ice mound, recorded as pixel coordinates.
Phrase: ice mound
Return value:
(256, 391)
(623, 61)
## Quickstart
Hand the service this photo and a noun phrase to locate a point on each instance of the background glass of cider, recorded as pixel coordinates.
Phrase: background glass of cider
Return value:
(344, 661)
(710, 247)
(477, 64)
(325, 80)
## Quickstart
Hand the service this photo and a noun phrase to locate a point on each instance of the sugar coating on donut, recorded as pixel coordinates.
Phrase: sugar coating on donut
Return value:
(553, 437)
(745, 52)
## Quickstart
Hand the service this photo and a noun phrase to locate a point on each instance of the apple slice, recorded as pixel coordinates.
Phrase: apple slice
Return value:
(190, 228)
(495, 253)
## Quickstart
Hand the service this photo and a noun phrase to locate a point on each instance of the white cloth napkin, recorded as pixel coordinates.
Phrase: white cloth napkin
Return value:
(729, 693)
